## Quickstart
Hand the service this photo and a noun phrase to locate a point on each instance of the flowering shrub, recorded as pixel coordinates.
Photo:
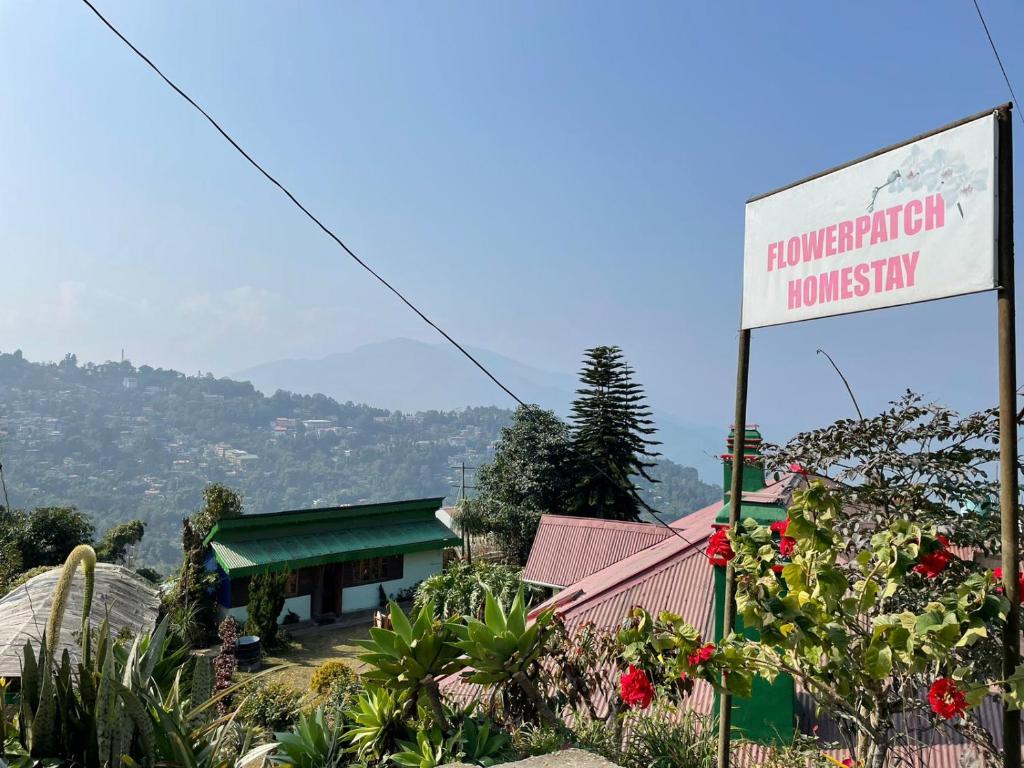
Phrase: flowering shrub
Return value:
(786, 543)
(842, 623)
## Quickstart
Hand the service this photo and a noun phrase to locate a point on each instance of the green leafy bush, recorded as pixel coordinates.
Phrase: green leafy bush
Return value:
(459, 590)
(328, 673)
(270, 706)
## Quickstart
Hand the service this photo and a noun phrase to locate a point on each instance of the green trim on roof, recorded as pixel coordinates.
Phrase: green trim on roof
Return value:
(762, 513)
(288, 552)
(322, 519)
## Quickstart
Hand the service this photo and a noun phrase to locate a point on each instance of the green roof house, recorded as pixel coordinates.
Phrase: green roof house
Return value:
(339, 559)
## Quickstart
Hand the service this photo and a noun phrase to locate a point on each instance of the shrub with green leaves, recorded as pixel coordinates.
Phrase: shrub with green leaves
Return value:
(378, 725)
(459, 590)
(410, 657)
(843, 625)
(269, 706)
(327, 674)
(503, 652)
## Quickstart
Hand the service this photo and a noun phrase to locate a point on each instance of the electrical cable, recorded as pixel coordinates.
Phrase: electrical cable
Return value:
(999, 59)
(529, 407)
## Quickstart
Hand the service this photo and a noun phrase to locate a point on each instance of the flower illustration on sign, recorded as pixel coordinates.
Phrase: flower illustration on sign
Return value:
(937, 171)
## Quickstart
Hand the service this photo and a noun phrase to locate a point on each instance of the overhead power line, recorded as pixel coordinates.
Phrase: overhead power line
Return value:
(327, 230)
(999, 59)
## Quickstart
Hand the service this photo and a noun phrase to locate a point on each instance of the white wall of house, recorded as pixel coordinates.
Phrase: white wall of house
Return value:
(299, 605)
(417, 567)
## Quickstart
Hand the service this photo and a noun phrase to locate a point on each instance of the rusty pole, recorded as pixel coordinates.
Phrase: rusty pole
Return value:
(1008, 491)
(739, 435)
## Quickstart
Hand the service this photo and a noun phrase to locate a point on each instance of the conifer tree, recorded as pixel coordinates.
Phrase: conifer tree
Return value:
(611, 437)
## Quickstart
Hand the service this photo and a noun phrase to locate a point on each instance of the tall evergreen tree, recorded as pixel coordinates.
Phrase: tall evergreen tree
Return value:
(611, 437)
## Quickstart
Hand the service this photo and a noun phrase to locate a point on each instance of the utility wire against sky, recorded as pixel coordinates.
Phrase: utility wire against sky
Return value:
(528, 407)
(999, 59)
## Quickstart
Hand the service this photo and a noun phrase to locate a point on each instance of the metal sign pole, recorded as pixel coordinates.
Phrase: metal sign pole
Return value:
(739, 435)
(1008, 491)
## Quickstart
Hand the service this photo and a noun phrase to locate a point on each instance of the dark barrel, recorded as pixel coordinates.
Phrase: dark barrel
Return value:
(248, 652)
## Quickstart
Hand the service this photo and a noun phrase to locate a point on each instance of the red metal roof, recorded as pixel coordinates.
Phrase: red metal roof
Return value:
(672, 575)
(567, 549)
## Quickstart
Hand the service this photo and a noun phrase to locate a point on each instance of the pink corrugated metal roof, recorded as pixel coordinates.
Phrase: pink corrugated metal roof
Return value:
(567, 549)
(673, 575)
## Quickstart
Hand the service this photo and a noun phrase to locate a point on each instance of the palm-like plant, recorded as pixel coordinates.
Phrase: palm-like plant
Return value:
(460, 589)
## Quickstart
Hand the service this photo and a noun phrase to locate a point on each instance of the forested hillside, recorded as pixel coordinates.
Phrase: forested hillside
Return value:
(121, 442)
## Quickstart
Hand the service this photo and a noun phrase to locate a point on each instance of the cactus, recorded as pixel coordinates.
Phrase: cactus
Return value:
(85, 555)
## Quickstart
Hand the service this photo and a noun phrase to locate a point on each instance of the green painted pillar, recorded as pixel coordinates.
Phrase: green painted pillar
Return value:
(769, 716)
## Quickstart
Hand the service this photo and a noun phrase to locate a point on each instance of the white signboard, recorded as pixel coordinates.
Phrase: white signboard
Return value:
(911, 224)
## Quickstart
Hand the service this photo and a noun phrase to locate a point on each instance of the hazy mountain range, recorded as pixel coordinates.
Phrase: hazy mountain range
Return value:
(409, 375)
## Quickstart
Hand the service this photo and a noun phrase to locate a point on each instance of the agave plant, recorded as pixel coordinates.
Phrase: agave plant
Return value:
(410, 657)
(503, 649)
(311, 743)
(430, 750)
(378, 724)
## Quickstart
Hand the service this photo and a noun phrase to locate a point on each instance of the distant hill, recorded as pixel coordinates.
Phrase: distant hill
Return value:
(411, 376)
(122, 442)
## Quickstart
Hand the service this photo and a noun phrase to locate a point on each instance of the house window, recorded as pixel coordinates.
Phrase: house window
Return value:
(291, 589)
(372, 570)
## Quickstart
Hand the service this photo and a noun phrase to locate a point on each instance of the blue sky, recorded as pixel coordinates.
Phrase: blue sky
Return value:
(541, 177)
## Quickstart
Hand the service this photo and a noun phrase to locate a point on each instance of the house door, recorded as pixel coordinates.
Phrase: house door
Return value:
(330, 599)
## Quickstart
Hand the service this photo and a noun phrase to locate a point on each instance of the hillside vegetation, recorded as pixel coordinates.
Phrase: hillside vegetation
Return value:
(123, 442)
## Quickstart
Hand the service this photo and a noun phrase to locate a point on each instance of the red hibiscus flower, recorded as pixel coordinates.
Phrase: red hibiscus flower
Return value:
(933, 563)
(636, 688)
(719, 550)
(777, 569)
(701, 655)
(794, 467)
(946, 698)
(997, 573)
(850, 763)
(787, 544)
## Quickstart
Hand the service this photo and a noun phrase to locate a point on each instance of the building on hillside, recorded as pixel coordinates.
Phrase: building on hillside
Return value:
(339, 559)
(674, 574)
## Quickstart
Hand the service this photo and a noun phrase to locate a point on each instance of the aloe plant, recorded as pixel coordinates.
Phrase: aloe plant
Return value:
(378, 724)
(504, 648)
(410, 657)
(311, 743)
